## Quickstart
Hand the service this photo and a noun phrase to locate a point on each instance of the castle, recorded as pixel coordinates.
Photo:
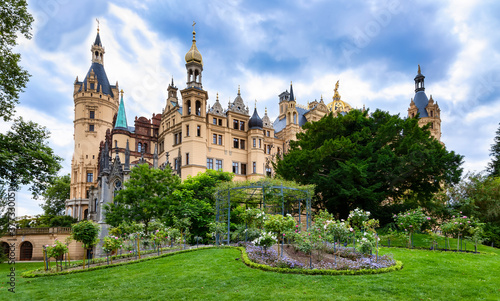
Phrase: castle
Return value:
(188, 134)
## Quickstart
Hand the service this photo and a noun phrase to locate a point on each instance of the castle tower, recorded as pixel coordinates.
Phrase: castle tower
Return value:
(194, 108)
(427, 110)
(96, 104)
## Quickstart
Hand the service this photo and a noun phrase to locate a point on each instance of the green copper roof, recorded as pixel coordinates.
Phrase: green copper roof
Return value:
(121, 118)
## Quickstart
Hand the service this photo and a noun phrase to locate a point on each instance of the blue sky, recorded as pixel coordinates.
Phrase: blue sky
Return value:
(372, 47)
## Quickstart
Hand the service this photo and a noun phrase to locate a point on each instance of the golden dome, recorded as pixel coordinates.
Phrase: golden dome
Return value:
(338, 105)
(193, 55)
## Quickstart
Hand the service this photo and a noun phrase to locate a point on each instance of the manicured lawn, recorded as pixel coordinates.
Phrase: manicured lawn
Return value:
(215, 274)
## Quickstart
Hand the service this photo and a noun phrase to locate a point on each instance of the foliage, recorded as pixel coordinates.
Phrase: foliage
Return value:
(146, 196)
(56, 195)
(357, 218)
(216, 229)
(361, 160)
(477, 195)
(56, 250)
(265, 240)
(14, 20)
(464, 226)
(111, 243)
(26, 158)
(254, 217)
(86, 232)
(411, 220)
(193, 199)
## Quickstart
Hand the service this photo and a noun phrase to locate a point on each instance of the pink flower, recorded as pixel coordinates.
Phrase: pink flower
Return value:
(468, 222)
(460, 223)
(453, 216)
(411, 226)
(456, 223)
(464, 216)
(428, 218)
(460, 211)
(320, 236)
(296, 226)
(283, 234)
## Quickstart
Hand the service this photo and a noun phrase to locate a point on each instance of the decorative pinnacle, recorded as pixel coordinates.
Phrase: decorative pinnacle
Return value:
(266, 110)
(238, 89)
(194, 32)
(256, 103)
(97, 24)
(419, 69)
(217, 96)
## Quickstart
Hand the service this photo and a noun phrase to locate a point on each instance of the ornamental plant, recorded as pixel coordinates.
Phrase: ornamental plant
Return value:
(56, 250)
(265, 240)
(337, 230)
(158, 237)
(279, 225)
(462, 226)
(216, 229)
(86, 232)
(357, 217)
(410, 221)
(367, 242)
(111, 243)
(254, 217)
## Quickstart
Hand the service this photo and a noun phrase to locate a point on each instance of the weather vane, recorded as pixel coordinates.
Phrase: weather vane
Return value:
(194, 23)
(97, 20)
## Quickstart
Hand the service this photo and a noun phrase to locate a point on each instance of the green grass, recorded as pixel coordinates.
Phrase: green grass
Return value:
(215, 274)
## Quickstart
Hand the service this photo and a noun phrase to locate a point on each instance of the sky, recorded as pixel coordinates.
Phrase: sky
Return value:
(372, 48)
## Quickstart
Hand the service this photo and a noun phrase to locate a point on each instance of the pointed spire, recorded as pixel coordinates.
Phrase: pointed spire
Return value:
(193, 55)
(256, 104)
(291, 92)
(127, 157)
(419, 72)
(239, 90)
(121, 118)
(106, 157)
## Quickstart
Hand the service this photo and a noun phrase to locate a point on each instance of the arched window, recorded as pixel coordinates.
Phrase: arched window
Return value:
(189, 107)
(145, 147)
(70, 211)
(85, 214)
(5, 248)
(26, 251)
(198, 108)
(295, 118)
(117, 187)
(139, 147)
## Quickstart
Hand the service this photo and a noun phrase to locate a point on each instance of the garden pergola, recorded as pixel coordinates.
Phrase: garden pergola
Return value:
(270, 195)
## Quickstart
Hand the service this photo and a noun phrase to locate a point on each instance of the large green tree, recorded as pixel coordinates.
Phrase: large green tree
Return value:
(56, 195)
(15, 20)
(361, 160)
(494, 165)
(194, 199)
(146, 196)
(477, 195)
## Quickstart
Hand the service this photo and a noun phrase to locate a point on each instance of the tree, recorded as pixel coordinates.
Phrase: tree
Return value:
(494, 165)
(86, 232)
(56, 195)
(25, 157)
(357, 160)
(146, 196)
(14, 20)
(194, 199)
(477, 195)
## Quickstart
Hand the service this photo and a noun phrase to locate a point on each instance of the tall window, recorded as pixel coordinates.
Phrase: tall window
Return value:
(254, 142)
(260, 143)
(91, 127)
(242, 125)
(268, 171)
(220, 139)
(187, 158)
(236, 143)
(198, 131)
(214, 121)
(220, 122)
(117, 187)
(218, 164)
(90, 177)
(235, 168)
(214, 137)
(210, 163)
(268, 133)
(235, 124)
(139, 147)
(242, 144)
(187, 130)
(176, 164)
(254, 167)
(92, 114)
(243, 169)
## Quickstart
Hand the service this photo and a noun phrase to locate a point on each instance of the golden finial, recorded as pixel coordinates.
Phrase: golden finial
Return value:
(238, 89)
(194, 32)
(256, 103)
(97, 24)
(290, 83)
(217, 96)
(336, 86)
(266, 110)
(121, 91)
(321, 96)
(419, 69)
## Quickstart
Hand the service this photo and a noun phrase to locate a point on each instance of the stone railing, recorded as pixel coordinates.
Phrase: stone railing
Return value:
(38, 231)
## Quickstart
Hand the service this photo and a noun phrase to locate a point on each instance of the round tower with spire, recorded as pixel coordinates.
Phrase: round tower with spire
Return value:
(425, 108)
(96, 105)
